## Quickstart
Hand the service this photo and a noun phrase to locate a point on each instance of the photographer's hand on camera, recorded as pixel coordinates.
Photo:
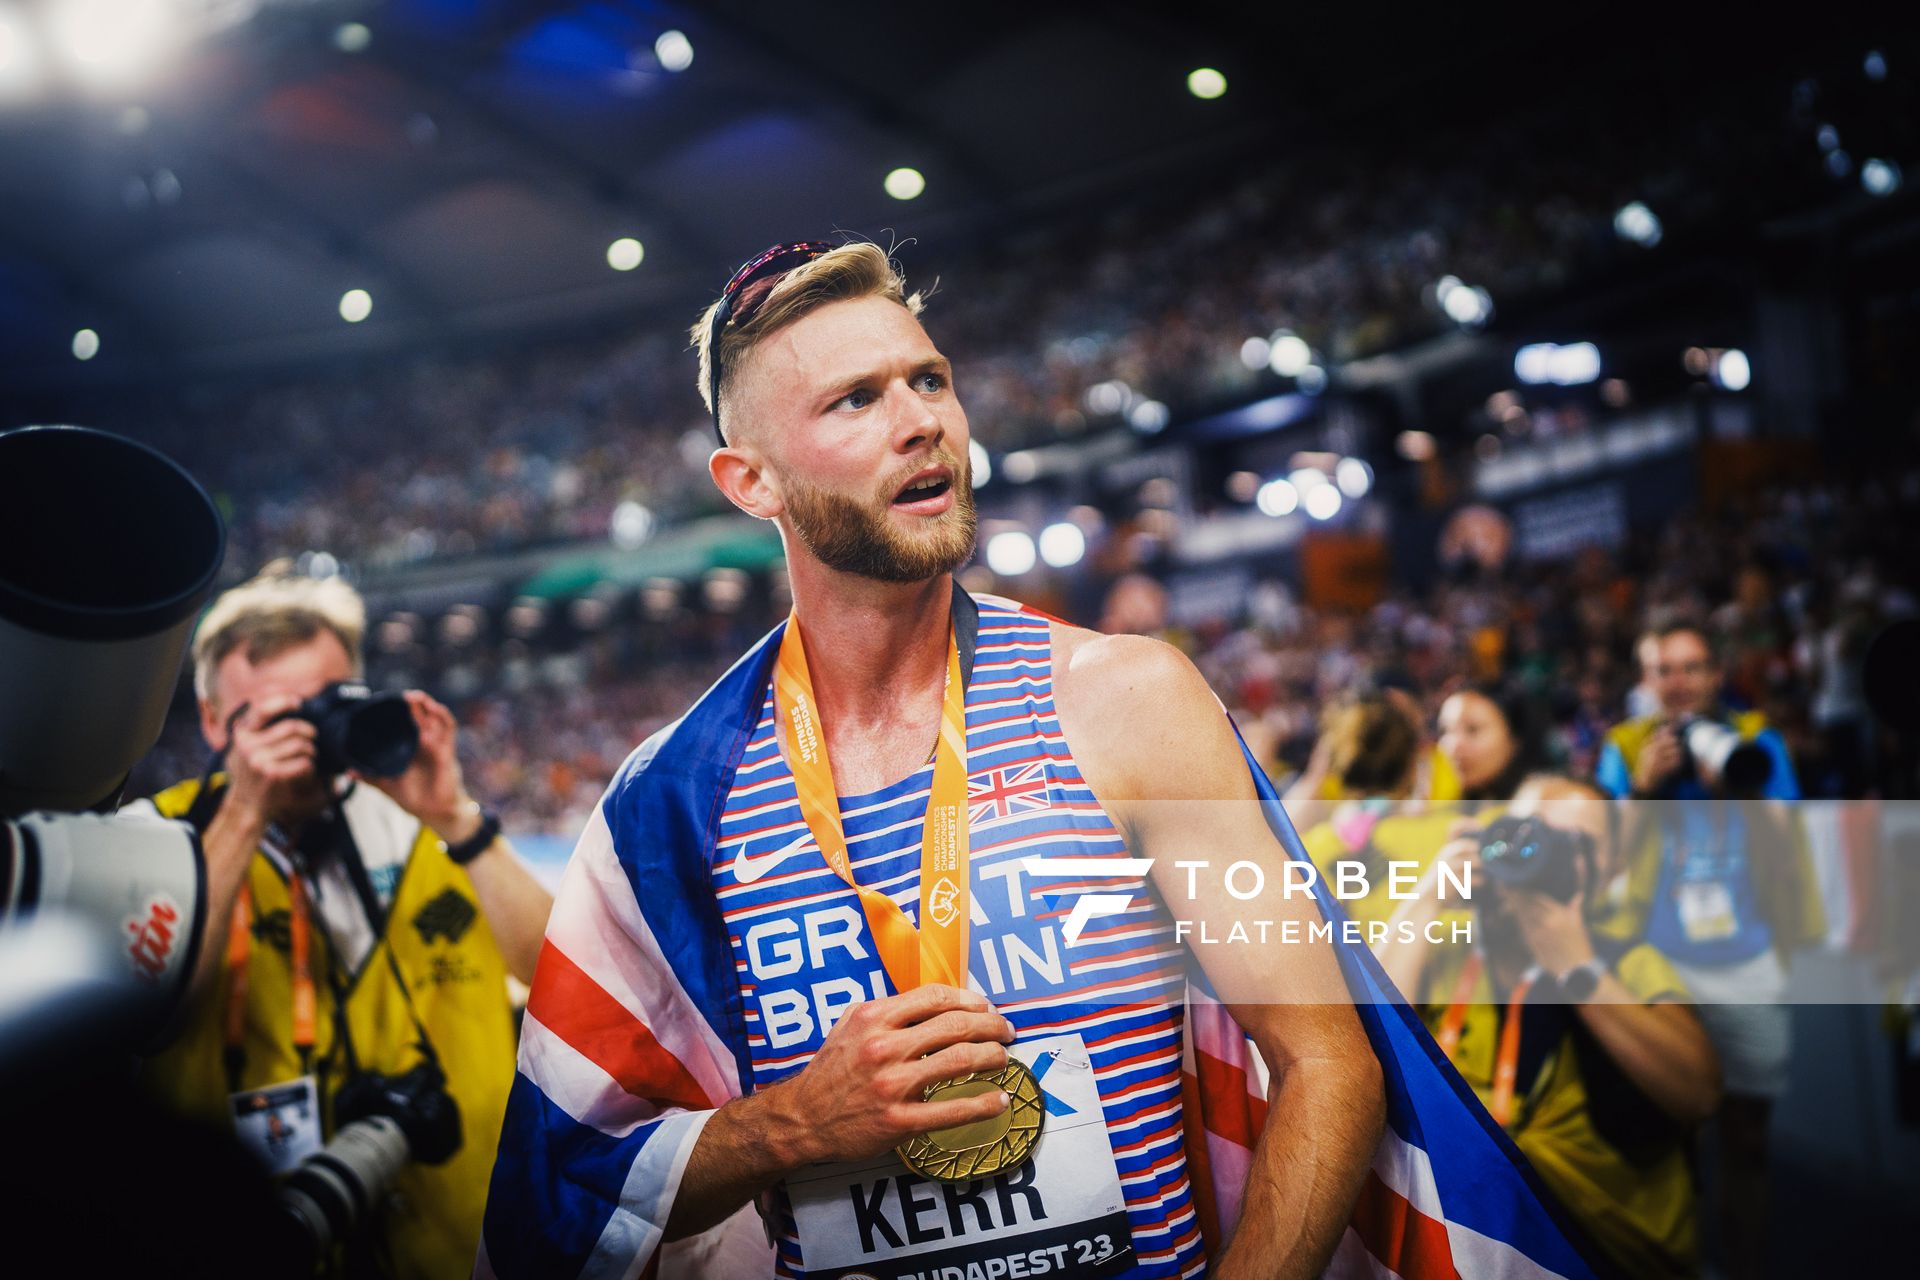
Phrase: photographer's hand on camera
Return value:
(1555, 932)
(860, 1096)
(433, 789)
(1404, 954)
(1659, 761)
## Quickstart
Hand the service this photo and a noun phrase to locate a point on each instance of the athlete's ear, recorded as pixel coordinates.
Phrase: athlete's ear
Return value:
(741, 473)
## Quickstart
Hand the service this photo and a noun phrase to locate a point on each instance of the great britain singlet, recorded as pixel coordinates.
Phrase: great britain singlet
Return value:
(803, 954)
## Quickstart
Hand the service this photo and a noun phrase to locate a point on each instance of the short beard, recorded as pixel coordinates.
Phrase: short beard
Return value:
(849, 535)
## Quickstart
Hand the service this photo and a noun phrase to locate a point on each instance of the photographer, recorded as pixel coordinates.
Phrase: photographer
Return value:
(359, 927)
(1582, 1048)
(1724, 886)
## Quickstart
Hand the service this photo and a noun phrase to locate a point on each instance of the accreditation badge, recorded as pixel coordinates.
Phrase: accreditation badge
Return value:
(280, 1124)
(1060, 1212)
(1706, 910)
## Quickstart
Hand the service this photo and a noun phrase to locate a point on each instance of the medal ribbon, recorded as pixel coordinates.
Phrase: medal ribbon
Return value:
(937, 951)
(1506, 1063)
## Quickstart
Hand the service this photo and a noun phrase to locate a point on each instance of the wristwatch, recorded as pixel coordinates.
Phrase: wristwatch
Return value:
(1579, 983)
(476, 844)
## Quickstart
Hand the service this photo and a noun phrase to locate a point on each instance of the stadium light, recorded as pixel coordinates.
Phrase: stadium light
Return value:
(1353, 476)
(1277, 498)
(1289, 354)
(1322, 503)
(1733, 370)
(1306, 478)
(1638, 224)
(352, 37)
(1255, 352)
(979, 463)
(1312, 380)
(1828, 137)
(355, 305)
(1148, 417)
(1206, 83)
(674, 50)
(905, 184)
(1540, 363)
(632, 525)
(1062, 545)
(1875, 65)
(1880, 177)
(19, 56)
(1468, 306)
(625, 253)
(1839, 163)
(1010, 554)
(113, 43)
(86, 344)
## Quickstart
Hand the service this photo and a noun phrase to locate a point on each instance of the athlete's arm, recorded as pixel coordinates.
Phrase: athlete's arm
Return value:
(857, 1097)
(1156, 747)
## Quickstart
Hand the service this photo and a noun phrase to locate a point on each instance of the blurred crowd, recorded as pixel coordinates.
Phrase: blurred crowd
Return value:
(1154, 310)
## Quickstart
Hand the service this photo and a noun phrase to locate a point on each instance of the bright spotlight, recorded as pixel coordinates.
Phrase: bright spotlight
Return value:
(19, 56)
(1572, 365)
(674, 50)
(1010, 554)
(1108, 397)
(1353, 476)
(632, 525)
(1062, 545)
(1880, 177)
(355, 305)
(905, 184)
(352, 37)
(1638, 224)
(112, 43)
(1255, 352)
(625, 253)
(1468, 306)
(1322, 503)
(1732, 370)
(1148, 417)
(1289, 354)
(1205, 82)
(979, 463)
(1277, 498)
(86, 345)
(1305, 478)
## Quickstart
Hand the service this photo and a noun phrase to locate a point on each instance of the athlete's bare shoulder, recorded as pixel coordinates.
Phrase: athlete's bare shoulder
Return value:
(1140, 719)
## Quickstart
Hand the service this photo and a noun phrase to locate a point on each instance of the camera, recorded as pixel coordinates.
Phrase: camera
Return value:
(383, 1122)
(1525, 853)
(107, 551)
(356, 728)
(1716, 749)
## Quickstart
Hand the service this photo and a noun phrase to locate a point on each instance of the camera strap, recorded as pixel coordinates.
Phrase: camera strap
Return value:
(1506, 1062)
(239, 955)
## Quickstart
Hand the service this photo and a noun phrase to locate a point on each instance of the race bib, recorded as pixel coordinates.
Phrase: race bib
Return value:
(280, 1124)
(1060, 1214)
(1706, 911)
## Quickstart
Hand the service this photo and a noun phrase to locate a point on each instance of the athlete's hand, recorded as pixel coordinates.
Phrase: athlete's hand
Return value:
(270, 765)
(861, 1094)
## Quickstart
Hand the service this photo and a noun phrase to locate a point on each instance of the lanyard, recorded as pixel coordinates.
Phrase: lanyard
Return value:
(1506, 1063)
(239, 953)
(937, 951)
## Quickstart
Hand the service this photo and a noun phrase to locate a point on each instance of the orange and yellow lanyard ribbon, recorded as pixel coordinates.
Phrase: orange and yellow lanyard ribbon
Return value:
(240, 953)
(937, 951)
(1506, 1063)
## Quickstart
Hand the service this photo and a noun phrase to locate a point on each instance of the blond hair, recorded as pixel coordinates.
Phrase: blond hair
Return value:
(271, 614)
(857, 270)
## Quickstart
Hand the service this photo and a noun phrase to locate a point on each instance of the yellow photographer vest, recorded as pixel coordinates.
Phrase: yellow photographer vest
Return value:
(458, 982)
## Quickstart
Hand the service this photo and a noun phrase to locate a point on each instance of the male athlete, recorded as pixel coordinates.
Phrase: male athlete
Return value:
(744, 1001)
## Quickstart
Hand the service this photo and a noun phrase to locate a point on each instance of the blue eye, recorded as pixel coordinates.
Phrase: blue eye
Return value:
(933, 381)
(857, 399)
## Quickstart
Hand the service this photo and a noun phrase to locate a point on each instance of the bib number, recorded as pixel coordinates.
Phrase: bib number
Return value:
(1059, 1214)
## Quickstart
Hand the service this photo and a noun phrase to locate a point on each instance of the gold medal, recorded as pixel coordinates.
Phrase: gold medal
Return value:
(981, 1148)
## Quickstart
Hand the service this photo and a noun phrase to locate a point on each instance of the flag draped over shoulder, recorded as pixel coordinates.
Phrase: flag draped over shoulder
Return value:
(635, 1033)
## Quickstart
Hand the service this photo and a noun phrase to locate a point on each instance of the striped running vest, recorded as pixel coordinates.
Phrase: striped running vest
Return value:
(803, 954)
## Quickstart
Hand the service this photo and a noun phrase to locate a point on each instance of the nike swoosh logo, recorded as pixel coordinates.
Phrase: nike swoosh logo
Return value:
(746, 870)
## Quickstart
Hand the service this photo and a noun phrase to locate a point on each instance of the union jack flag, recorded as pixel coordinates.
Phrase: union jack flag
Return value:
(1000, 793)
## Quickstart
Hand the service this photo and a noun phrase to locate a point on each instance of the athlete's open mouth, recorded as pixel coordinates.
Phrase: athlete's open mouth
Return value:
(924, 488)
